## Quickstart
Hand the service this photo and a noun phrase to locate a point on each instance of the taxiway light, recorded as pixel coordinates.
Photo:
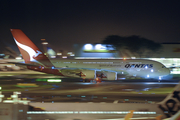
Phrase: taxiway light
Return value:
(59, 53)
(18, 58)
(53, 56)
(126, 99)
(68, 95)
(41, 79)
(69, 53)
(54, 80)
(64, 56)
(133, 57)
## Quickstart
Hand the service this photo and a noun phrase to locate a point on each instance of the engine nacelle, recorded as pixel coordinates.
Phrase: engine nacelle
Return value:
(109, 75)
(15, 67)
(88, 74)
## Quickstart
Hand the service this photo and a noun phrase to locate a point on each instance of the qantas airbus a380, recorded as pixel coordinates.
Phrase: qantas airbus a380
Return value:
(91, 69)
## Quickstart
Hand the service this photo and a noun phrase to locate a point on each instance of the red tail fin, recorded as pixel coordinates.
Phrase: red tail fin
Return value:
(29, 51)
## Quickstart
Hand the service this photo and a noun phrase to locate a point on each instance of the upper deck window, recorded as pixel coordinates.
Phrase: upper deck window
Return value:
(67, 62)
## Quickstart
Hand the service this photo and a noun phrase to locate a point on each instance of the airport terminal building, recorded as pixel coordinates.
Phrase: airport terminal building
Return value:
(106, 51)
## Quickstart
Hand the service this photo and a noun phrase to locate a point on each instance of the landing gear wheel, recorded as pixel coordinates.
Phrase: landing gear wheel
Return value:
(95, 81)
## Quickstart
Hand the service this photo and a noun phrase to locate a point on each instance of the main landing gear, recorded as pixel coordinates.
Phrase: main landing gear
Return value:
(97, 80)
(93, 81)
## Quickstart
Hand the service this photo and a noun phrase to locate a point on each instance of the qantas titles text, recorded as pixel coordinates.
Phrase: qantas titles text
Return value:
(139, 65)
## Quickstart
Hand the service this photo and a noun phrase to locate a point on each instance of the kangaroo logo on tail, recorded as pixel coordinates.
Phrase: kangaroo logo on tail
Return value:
(32, 53)
(38, 53)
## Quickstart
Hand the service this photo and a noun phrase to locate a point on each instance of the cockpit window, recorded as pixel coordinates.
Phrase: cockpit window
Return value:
(163, 66)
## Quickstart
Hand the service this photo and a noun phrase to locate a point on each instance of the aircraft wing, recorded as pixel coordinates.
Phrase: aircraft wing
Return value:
(87, 73)
(24, 64)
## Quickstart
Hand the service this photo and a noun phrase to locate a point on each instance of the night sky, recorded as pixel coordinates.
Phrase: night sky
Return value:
(66, 22)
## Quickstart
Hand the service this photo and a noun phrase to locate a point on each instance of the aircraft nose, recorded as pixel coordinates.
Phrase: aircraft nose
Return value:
(167, 71)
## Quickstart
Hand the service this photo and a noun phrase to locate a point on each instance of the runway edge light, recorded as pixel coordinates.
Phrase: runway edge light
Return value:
(54, 80)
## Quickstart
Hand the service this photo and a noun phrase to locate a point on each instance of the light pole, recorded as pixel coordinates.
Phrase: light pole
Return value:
(44, 43)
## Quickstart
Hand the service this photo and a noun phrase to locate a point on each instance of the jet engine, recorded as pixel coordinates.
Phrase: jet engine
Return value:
(107, 75)
(87, 74)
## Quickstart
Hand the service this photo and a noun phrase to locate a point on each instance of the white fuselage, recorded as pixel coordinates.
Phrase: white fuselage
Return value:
(131, 67)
